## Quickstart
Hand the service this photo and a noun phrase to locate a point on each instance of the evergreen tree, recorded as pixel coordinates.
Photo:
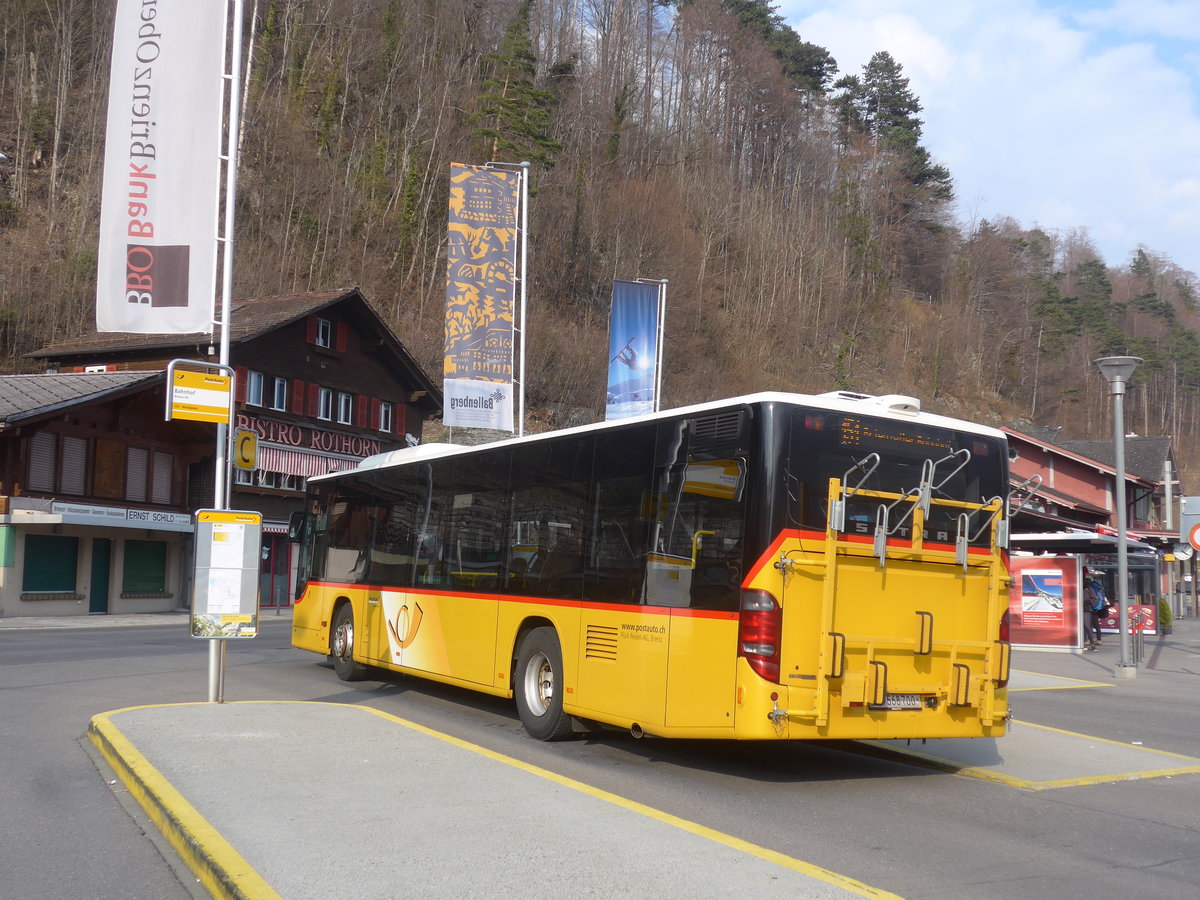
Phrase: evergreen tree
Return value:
(514, 114)
(1094, 310)
(1139, 266)
(881, 106)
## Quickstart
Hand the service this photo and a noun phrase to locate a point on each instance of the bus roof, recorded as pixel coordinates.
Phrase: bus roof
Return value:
(889, 406)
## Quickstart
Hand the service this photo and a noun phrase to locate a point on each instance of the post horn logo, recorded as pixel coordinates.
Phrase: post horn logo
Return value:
(406, 624)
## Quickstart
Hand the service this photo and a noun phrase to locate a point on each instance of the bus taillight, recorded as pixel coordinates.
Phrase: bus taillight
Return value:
(759, 629)
(1004, 627)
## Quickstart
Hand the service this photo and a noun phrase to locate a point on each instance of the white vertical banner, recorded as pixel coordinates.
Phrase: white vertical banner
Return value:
(162, 168)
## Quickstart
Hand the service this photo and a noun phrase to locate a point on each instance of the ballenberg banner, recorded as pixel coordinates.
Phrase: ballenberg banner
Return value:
(158, 218)
(480, 275)
(632, 350)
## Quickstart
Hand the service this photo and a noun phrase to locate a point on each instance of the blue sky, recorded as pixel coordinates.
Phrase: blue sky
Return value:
(1065, 115)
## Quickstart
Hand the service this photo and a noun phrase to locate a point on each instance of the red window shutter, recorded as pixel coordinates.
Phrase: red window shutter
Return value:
(298, 398)
(314, 400)
(373, 422)
(399, 416)
(360, 411)
(310, 330)
(340, 337)
(243, 376)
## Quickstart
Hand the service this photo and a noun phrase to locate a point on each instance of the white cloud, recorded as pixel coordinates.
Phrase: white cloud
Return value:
(1084, 118)
(1173, 19)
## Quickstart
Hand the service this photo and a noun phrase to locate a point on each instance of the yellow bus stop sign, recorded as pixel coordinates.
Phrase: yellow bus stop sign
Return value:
(200, 396)
(245, 448)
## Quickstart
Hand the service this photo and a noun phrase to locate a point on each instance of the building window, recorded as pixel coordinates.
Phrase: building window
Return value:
(280, 396)
(325, 404)
(149, 476)
(74, 465)
(386, 422)
(243, 476)
(324, 333)
(137, 464)
(58, 463)
(42, 450)
(145, 570)
(50, 561)
(345, 409)
(160, 486)
(254, 388)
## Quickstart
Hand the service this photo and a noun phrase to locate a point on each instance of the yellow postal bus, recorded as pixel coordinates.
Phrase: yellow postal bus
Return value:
(769, 567)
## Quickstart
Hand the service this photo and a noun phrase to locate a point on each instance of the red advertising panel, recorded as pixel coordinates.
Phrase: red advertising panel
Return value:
(1044, 603)
(1143, 617)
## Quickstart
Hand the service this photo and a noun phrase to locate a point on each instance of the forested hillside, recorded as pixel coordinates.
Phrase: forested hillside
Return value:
(810, 241)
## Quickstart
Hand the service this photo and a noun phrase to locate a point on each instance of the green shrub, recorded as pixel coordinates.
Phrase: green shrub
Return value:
(1165, 616)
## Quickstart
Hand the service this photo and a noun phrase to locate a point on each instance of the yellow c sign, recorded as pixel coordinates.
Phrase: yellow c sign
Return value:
(245, 448)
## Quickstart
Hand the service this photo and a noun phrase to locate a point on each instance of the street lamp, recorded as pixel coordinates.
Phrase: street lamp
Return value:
(1118, 369)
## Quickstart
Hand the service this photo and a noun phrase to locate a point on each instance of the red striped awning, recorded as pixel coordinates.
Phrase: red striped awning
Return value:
(302, 462)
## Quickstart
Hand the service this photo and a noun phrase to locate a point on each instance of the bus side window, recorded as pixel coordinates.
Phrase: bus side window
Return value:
(620, 511)
(476, 516)
(430, 568)
(394, 540)
(695, 558)
(347, 537)
(550, 515)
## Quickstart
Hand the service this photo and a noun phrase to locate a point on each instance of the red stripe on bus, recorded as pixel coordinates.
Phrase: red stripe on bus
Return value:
(538, 601)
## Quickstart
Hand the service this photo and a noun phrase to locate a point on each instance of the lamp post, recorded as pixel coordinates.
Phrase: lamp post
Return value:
(1118, 369)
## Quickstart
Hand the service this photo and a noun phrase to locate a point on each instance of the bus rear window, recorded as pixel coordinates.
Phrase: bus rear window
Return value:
(826, 445)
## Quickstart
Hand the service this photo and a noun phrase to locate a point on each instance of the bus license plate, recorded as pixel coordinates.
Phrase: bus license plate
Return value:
(902, 701)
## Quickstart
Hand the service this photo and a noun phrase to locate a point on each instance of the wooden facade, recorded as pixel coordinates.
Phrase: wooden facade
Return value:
(320, 379)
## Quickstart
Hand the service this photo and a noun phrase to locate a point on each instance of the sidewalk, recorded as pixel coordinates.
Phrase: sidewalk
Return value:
(312, 800)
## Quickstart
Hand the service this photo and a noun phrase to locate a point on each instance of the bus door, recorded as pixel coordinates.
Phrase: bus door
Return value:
(697, 538)
(445, 624)
(624, 641)
(399, 505)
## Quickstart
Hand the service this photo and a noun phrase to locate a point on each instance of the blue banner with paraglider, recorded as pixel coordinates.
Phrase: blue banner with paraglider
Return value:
(633, 349)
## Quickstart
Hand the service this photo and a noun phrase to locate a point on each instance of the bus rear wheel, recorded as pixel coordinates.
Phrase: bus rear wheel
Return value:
(341, 646)
(539, 686)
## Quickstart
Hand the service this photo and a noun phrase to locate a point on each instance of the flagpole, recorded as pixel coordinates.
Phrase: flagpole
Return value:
(523, 232)
(216, 655)
(524, 279)
(661, 323)
(658, 352)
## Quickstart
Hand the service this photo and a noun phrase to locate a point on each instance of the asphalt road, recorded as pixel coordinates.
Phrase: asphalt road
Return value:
(899, 827)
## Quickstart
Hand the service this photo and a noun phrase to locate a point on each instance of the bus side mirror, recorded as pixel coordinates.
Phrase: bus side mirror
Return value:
(296, 527)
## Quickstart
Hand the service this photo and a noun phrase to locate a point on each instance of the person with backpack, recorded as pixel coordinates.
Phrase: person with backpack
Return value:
(1095, 606)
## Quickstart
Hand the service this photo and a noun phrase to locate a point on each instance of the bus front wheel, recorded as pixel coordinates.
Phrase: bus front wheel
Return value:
(539, 686)
(341, 646)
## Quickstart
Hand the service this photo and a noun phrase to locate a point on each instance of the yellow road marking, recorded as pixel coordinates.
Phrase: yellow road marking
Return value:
(1074, 683)
(220, 868)
(985, 774)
